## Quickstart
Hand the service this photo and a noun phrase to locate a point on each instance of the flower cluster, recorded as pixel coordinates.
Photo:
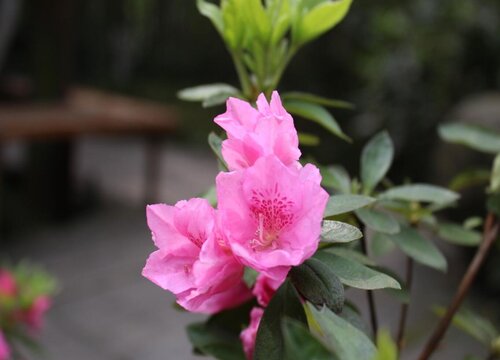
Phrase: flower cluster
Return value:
(24, 300)
(268, 218)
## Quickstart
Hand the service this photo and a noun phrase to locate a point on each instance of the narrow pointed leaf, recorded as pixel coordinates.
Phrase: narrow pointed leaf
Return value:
(381, 245)
(339, 232)
(351, 254)
(422, 193)
(386, 347)
(317, 114)
(347, 341)
(337, 178)
(311, 98)
(340, 204)
(472, 136)
(219, 335)
(317, 283)
(215, 143)
(300, 344)
(469, 178)
(203, 92)
(355, 274)
(495, 176)
(269, 344)
(376, 160)
(378, 221)
(458, 235)
(322, 18)
(308, 139)
(418, 248)
(212, 12)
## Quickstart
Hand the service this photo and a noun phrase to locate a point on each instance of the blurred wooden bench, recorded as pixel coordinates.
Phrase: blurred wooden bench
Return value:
(91, 112)
(85, 112)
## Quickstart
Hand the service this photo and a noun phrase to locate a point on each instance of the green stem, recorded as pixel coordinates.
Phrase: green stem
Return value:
(280, 70)
(404, 307)
(369, 293)
(245, 83)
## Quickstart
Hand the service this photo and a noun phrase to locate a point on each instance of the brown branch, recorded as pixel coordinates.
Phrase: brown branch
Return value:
(404, 307)
(489, 237)
(370, 296)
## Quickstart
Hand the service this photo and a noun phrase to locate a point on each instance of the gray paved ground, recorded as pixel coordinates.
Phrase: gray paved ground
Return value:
(107, 311)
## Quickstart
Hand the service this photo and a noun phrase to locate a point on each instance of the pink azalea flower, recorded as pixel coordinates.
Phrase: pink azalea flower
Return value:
(192, 261)
(253, 133)
(249, 334)
(8, 286)
(4, 348)
(265, 288)
(271, 214)
(33, 317)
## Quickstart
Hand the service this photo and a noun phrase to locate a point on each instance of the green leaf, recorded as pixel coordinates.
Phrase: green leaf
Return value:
(308, 139)
(317, 114)
(418, 248)
(473, 222)
(493, 204)
(402, 295)
(337, 178)
(279, 13)
(458, 235)
(311, 98)
(269, 344)
(351, 314)
(300, 344)
(376, 159)
(386, 347)
(495, 176)
(316, 282)
(321, 18)
(219, 335)
(473, 324)
(380, 245)
(212, 12)
(211, 196)
(208, 92)
(214, 342)
(473, 136)
(350, 254)
(215, 143)
(235, 31)
(355, 274)
(250, 276)
(340, 204)
(469, 178)
(378, 221)
(256, 20)
(339, 232)
(347, 341)
(422, 193)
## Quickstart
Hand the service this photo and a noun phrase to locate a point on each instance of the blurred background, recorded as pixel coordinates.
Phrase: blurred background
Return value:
(91, 131)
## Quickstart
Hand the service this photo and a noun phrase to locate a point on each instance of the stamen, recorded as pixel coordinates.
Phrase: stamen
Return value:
(272, 212)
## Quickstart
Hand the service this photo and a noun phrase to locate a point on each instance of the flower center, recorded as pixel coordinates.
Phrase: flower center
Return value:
(197, 239)
(272, 212)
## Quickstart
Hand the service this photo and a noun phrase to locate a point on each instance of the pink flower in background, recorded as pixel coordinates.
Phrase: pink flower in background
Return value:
(249, 335)
(192, 261)
(4, 348)
(33, 317)
(253, 133)
(271, 214)
(8, 286)
(264, 289)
